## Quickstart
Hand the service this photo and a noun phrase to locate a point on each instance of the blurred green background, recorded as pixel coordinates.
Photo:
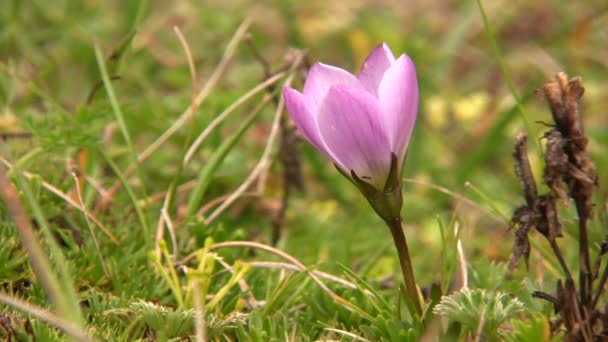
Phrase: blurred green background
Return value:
(467, 119)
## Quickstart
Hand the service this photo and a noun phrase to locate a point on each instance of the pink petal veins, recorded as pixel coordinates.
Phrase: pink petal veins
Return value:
(351, 126)
(375, 66)
(398, 94)
(321, 77)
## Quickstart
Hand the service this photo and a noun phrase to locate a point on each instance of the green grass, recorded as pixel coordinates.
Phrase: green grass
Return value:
(94, 86)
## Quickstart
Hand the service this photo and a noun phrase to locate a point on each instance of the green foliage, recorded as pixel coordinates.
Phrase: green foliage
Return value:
(53, 96)
(205, 174)
(58, 131)
(162, 322)
(489, 275)
(479, 310)
(533, 328)
(13, 260)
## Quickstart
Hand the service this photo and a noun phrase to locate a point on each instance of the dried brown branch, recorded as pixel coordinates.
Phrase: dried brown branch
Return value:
(579, 174)
(523, 170)
(556, 164)
(525, 219)
(569, 173)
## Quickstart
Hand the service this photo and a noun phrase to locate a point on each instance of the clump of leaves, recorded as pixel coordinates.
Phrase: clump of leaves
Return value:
(534, 328)
(164, 322)
(479, 312)
(61, 130)
(13, 260)
(161, 321)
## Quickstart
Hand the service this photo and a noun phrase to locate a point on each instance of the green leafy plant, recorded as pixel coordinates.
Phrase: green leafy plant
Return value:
(117, 143)
(480, 312)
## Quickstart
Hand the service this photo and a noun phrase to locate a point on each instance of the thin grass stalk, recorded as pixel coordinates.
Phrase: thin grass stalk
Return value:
(165, 216)
(59, 289)
(184, 117)
(223, 115)
(69, 327)
(131, 195)
(61, 264)
(89, 225)
(250, 244)
(218, 156)
(260, 166)
(265, 159)
(125, 133)
(52, 189)
(505, 72)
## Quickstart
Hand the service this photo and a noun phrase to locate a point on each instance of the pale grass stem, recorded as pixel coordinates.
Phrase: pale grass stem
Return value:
(46, 316)
(190, 184)
(52, 271)
(52, 189)
(353, 337)
(40, 263)
(457, 196)
(191, 65)
(219, 200)
(482, 322)
(165, 217)
(160, 228)
(488, 200)
(171, 228)
(185, 116)
(320, 274)
(95, 185)
(69, 306)
(464, 273)
(251, 244)
(200, 325)
(86, 218)
(265, 160)
(161, 195)
(262, 164)
(223, 115)
(284, 267)
(207, 172)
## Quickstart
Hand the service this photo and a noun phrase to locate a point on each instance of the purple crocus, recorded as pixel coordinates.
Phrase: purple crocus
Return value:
(364, 125)
(361, 121)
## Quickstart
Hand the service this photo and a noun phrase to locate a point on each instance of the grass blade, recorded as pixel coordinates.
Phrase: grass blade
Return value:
(138, 209)
(121, 124)
(67, 326)
(505, 72)
(218, 156)
(59, 287)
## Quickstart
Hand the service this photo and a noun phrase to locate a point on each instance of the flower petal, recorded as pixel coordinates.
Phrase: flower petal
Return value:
(321, 77)
(398, 94)
(351, 125)
(375, 66)
(303, 116)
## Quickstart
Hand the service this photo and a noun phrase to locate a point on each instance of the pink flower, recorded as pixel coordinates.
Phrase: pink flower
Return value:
(359, 122)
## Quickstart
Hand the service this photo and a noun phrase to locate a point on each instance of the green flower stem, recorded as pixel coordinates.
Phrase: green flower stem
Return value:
(405, 261)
